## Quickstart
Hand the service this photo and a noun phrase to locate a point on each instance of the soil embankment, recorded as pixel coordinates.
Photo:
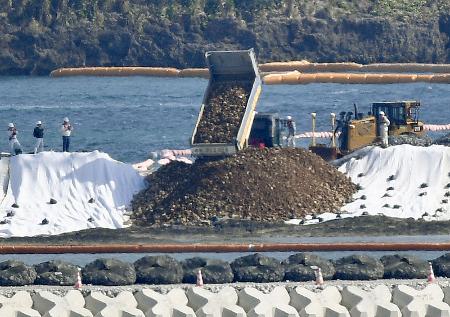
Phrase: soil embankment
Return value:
(242, 231)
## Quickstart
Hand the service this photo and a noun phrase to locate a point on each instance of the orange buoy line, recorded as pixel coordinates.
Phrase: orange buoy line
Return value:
(275, 68)
(305, 66)
(295, 78)
(222, 248)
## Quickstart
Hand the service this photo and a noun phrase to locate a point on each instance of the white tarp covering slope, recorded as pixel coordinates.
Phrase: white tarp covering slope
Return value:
(71, 179)
(421, 175)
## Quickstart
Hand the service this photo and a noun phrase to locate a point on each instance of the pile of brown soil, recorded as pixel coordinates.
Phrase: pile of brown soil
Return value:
(263, 185)
(223, 113)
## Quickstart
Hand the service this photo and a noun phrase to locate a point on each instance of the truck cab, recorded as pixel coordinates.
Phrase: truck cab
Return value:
(269, 130)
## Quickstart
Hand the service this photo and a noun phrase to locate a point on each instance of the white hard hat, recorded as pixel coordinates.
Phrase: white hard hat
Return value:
(66, 119)
(381, 113)
(289, 117)
(10, 125)
(38, 123)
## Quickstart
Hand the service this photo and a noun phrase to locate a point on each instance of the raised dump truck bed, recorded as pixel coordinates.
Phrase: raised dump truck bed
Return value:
(228, 108)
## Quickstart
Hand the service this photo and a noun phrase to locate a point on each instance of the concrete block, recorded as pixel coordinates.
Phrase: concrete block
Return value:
(418, 303)
(18, 305)
(123, 305)
(221, 304)
(323, 304)
(172, 304)
(51, 305)
(377, 302)
(274, 304)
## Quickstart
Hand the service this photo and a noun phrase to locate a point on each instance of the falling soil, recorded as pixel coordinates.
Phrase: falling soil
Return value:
(223, 112)
(268, 185)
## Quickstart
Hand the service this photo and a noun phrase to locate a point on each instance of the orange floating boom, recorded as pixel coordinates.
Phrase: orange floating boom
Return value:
(296, 78)
(222, 248)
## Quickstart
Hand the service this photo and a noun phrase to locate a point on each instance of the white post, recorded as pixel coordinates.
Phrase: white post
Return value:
(313, 115)
(333, 124)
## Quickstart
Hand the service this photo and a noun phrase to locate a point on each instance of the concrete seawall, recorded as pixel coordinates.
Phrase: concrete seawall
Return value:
(337, 298)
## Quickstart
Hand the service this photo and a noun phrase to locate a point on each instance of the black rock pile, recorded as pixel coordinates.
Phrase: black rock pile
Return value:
(268, 185)
(256, 268)
(223, 112)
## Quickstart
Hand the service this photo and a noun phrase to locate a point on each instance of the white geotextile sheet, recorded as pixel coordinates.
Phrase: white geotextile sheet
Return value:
(421, 175)
(71, 179)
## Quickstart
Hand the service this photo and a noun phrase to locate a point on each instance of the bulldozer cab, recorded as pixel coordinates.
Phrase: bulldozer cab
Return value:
(404, 116)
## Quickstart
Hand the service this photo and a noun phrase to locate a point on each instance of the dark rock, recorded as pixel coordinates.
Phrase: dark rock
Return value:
(410, 139)
(391, 178)
(223, 112)
(52, 201)
(298, 267)
(56, 273)
(358, 267)
(161, 269)
(44, 221)
(257, 268)
(404, 267)
(109, 272)
(213, 271)
(91, 200)
(441, 265)
(16, 273)
(10, 213)
(15, 205)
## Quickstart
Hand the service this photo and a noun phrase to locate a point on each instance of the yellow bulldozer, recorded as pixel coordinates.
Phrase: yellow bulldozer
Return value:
(356, 130)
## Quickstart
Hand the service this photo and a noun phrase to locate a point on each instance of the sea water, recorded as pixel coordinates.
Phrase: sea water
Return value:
(128, 117)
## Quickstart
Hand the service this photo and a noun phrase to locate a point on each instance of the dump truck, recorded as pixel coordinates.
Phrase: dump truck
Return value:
(228, 108)
(357, 130)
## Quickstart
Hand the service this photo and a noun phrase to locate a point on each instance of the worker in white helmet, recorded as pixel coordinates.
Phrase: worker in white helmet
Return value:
(14, 144)
(66, 131)
(383, 125)
(291, 131)
(38, 133)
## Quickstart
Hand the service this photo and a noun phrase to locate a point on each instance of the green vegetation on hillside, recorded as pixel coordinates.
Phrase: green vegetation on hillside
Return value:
(37, 36)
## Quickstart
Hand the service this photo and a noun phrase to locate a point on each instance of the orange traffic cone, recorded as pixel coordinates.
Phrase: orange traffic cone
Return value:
(431, 277)
(78, 284)
(319, 277)
(199, 278)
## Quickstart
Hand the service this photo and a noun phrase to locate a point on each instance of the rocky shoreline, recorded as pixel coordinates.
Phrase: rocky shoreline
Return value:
(38, 39)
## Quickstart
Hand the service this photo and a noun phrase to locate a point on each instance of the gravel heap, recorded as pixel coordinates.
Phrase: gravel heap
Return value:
(412, 139)
(269, 184)
(223, 113)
